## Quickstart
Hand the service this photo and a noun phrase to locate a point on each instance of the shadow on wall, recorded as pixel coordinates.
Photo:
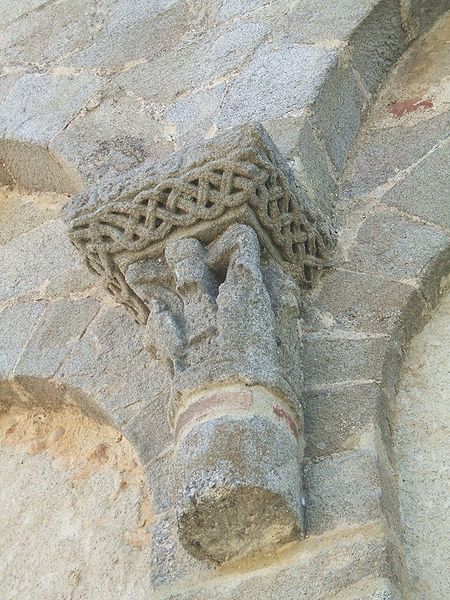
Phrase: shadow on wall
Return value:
(75, 505)
(36, 167)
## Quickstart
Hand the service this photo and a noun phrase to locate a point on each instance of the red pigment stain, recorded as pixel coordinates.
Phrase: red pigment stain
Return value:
(287, 417)
(398, 109)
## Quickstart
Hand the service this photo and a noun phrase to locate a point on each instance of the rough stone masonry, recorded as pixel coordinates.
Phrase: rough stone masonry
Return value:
(256, 365)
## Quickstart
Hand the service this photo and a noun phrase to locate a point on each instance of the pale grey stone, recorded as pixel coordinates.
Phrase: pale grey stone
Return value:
(378, 43)
(425, 191)
(338, 112)
(324, 571)
(161, 480)
(33, 260)
(315, 175)
(55, 337)
(210, 56)
(389, 151)
(366, 303)
(129, 396)
(310, 21)
(396, 247)
(343, 491)
(94, 210)
(328, 360)
(285, 132)
(422, 450)
(111, 341)
(149, 430)
(239, 488)
(49, 33)
(338, 419)
(10, 11)
(17, 323)
(114, 136)
(276, 81)
(119, 15)
(371, 588)
(233, 8)
(313, 166)
(171, 564)
(194, 116)
(23, 211)
(38, 106)
(130, 39)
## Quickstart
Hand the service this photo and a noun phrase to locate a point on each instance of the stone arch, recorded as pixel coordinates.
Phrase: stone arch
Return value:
(363, 348)
(76, 353)
(74, 496)
(69, 126)
(421, 448)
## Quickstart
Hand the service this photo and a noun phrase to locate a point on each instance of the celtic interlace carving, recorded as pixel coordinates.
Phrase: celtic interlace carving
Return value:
(241, 178)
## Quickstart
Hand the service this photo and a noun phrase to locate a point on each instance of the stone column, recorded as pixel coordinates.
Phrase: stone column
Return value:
(211, 258)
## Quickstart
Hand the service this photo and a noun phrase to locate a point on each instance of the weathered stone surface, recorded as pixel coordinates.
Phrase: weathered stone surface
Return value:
(234, 8)
(422, 450)
(389, 151)
(239, 487)
(330, 360)
(357, 302)
(318, 569)
(371, 588)
(73, 494)
(343, 491)
(425, 191)
(427, 12)
(238, 177)
(314, 168)
(298, 142)
(171, 564)
(340, 419)
(148, 379)
(11, 11)
(38, 106)
(16, 327)
(33, 260)
(5, 175)
(49, 33)
(210, 56)
(116, 134)
(35, 167)
(131, 385)
(310, 21)
(194, 116)
(161, 480)
(137, 40)
(338, 112)
(149, 430)
(378, 43)
(110, 363)
(276, 81)
(104, 351)
(55, 337)
(23, 211)
(395, 246)
(9, 395)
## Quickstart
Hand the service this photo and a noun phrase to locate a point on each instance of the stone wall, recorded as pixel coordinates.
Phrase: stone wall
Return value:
(100, 93)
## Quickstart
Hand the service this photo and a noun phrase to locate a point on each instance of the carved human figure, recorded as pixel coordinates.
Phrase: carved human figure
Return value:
(235, 414)
(209, 251)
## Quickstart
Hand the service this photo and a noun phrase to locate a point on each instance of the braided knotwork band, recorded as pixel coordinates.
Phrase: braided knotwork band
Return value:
(238, 182)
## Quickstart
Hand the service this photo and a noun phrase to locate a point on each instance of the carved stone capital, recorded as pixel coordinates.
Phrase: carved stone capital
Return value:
(209, 251)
